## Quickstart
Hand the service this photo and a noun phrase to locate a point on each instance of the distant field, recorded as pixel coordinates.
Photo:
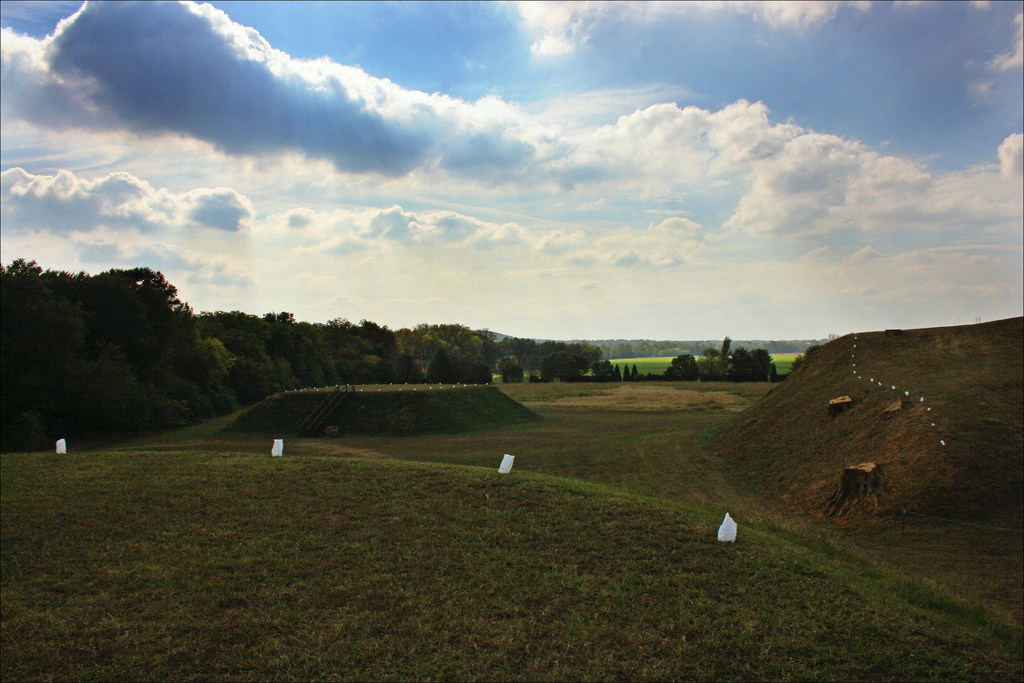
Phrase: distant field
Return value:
(657, 365)
(783, 361)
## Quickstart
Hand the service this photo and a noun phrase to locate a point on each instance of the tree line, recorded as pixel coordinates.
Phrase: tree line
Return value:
(616, 349)
(119, 352)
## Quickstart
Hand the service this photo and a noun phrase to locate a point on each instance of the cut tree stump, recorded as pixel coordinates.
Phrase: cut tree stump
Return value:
(857, 482)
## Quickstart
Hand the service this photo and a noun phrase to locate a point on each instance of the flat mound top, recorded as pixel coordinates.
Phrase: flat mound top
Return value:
(942, 408)
(414, 410)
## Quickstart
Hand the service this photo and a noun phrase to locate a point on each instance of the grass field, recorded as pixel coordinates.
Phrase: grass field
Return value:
(657, 365)
(195, 555)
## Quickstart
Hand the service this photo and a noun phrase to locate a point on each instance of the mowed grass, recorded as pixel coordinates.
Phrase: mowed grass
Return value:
(221, 565)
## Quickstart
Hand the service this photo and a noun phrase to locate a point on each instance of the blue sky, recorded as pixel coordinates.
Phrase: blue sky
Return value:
(557, 170)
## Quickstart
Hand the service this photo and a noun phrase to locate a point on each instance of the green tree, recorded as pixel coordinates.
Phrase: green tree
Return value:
(683, 369)
(603, 371)
(802, 358)
(510, 369)
(563, 367)
(762, 361)
(441, 369)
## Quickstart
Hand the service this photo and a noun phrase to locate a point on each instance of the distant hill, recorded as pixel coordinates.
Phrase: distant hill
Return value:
(968, 465)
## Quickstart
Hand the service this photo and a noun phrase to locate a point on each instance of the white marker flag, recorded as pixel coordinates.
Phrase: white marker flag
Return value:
(506, 464)
(727, 532)
(62, 446)
(278, 449)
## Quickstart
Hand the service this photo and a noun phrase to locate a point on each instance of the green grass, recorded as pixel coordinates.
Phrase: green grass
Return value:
(398, 409)
(189, 565)
(195, 555)
(783, 362)
(655, 365)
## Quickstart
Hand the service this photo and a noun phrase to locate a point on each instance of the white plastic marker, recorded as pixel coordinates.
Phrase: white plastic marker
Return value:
(506, 464)
(278, 449)
(727, 532)
(62, 446)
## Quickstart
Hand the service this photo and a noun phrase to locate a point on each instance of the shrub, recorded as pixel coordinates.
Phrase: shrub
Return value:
(26, 433)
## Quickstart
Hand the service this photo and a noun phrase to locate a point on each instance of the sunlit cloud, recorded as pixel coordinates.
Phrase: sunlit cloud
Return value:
(65, 202)
(561, 27)
(578, 193)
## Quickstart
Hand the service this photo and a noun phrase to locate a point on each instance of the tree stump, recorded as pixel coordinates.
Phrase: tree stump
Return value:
(857, 482)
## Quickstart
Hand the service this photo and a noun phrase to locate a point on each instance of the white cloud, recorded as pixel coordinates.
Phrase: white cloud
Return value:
(561, 27)
(679, 225)
(1011, 156)
(65, 202)
(1014, 59)
(233, 90)
(557, 242)
(868, 253)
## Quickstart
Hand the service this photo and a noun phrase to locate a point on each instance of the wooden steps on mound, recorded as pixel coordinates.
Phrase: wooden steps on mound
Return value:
(316, 422)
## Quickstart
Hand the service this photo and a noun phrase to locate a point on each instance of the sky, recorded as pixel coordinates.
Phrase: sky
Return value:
(762, 170)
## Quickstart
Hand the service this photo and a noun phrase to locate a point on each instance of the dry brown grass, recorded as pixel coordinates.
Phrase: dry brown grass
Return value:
(649, 398)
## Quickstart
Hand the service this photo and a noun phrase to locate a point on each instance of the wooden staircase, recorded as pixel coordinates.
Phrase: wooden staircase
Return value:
(317, 420)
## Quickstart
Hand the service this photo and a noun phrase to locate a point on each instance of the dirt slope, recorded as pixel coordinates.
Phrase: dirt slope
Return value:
(958, 452)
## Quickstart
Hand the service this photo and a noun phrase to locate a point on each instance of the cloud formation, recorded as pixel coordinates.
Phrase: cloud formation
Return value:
(64, 203)
(561, 27)
(185, 69)
(1011, 156)
(1014, 59)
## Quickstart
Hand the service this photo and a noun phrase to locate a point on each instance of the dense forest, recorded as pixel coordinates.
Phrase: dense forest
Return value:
(118, 352)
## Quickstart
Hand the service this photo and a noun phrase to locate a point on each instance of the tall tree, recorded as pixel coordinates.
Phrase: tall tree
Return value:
(510, 369)
(682, 369)
(441, 369)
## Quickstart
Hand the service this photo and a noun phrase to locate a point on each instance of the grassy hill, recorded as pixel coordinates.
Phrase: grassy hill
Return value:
(957, 452)
(419, 411)
(192, 565)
